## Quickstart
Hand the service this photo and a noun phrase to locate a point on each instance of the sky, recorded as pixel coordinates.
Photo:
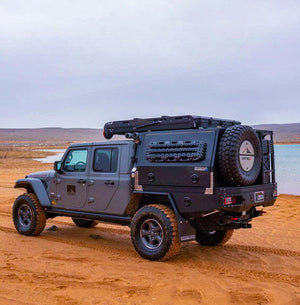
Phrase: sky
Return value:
(83, 63)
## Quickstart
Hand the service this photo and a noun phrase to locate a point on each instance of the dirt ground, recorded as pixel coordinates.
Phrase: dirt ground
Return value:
(67, 266)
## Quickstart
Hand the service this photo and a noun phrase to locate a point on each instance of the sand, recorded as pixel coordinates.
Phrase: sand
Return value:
(67, 266)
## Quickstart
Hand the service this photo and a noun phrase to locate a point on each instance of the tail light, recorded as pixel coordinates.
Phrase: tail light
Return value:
(230, 200)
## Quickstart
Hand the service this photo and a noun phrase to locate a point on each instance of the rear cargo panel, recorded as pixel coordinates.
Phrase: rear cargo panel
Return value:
(177, 158)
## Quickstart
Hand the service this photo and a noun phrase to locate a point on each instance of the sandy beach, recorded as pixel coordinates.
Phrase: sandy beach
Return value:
(67, 266)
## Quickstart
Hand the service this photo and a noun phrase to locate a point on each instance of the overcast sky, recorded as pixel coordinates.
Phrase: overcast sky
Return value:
(82, 63)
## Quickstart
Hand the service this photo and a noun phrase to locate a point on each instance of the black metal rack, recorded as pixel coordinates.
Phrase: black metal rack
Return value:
(164, 123)
(268, 164)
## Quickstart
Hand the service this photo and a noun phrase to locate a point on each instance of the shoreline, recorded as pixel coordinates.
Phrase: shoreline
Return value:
(286, 143)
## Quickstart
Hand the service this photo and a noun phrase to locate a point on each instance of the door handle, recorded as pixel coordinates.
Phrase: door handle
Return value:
(83, 181)
(109, 182)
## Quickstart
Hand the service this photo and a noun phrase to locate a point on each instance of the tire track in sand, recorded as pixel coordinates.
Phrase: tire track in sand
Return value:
(257, 249)
(94, 245)
(2, 213)
(241, 273)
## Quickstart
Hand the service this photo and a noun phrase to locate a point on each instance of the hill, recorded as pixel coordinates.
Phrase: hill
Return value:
(50, 135)
(283, 133)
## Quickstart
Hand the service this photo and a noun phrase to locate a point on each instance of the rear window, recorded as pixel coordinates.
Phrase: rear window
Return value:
(105, 160)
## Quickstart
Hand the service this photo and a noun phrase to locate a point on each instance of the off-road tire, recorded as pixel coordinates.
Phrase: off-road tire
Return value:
(229, 155)
(214, 238)
(167, 221)
(36, 221)
(83, 223)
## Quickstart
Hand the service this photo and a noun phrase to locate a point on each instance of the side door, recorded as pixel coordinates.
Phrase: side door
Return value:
(103, 179)
(71, 183)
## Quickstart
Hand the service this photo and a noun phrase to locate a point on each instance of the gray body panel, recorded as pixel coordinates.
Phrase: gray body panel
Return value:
(42, 175)
(71, 187)
(121, 198)
(69, 192)
(110, 192)
(102, 192)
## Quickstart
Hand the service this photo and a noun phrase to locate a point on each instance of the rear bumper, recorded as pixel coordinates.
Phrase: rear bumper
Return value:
(193, 204)
(247, 197)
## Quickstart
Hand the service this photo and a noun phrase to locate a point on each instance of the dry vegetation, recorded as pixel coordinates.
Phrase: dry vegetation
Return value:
(13, 152)
(67, 266)
(50, 135)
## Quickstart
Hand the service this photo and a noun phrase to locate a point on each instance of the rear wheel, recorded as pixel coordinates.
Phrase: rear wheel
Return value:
(28, 215)
(213, 238)
(83, 223)
(154, 232)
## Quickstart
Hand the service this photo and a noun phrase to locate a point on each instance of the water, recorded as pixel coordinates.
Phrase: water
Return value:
(53, 158)
(287, 165)
(287, 168)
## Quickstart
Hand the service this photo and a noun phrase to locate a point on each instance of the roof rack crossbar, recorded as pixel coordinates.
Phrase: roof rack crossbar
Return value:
(163, 123)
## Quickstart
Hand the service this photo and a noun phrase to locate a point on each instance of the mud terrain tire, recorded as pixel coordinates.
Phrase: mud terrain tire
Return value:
(83, 223)
(28, 215)
(154, 232)
(240, 155)
(214, 238)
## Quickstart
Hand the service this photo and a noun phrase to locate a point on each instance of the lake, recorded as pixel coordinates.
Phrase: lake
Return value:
(287, 166)
(53, 158)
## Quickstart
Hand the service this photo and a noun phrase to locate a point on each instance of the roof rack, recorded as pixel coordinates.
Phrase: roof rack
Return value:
(163, 123)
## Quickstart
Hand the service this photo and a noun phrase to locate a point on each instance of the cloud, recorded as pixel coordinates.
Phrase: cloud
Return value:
(80, 63)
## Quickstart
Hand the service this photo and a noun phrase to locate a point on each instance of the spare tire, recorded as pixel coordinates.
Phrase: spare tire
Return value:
(240, 155)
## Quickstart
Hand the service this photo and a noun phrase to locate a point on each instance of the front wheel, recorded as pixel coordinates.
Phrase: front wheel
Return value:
(213, 238)
(154, 232)
(28, 215)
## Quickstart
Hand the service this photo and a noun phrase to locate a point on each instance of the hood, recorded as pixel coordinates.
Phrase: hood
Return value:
(43, 174)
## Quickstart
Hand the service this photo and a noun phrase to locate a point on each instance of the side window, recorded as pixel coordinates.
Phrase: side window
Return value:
(105, 160)
(75, 161)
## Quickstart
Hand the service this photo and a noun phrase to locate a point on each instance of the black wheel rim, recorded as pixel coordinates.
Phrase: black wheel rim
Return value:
(151, 234)
(25, 215)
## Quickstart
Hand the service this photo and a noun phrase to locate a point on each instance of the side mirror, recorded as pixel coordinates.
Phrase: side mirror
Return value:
(57, 166)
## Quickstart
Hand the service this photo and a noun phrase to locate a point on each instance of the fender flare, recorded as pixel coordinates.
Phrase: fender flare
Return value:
(36, 186)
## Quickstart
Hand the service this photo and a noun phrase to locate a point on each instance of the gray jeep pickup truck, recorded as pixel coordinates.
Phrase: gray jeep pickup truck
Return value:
(174, 179)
